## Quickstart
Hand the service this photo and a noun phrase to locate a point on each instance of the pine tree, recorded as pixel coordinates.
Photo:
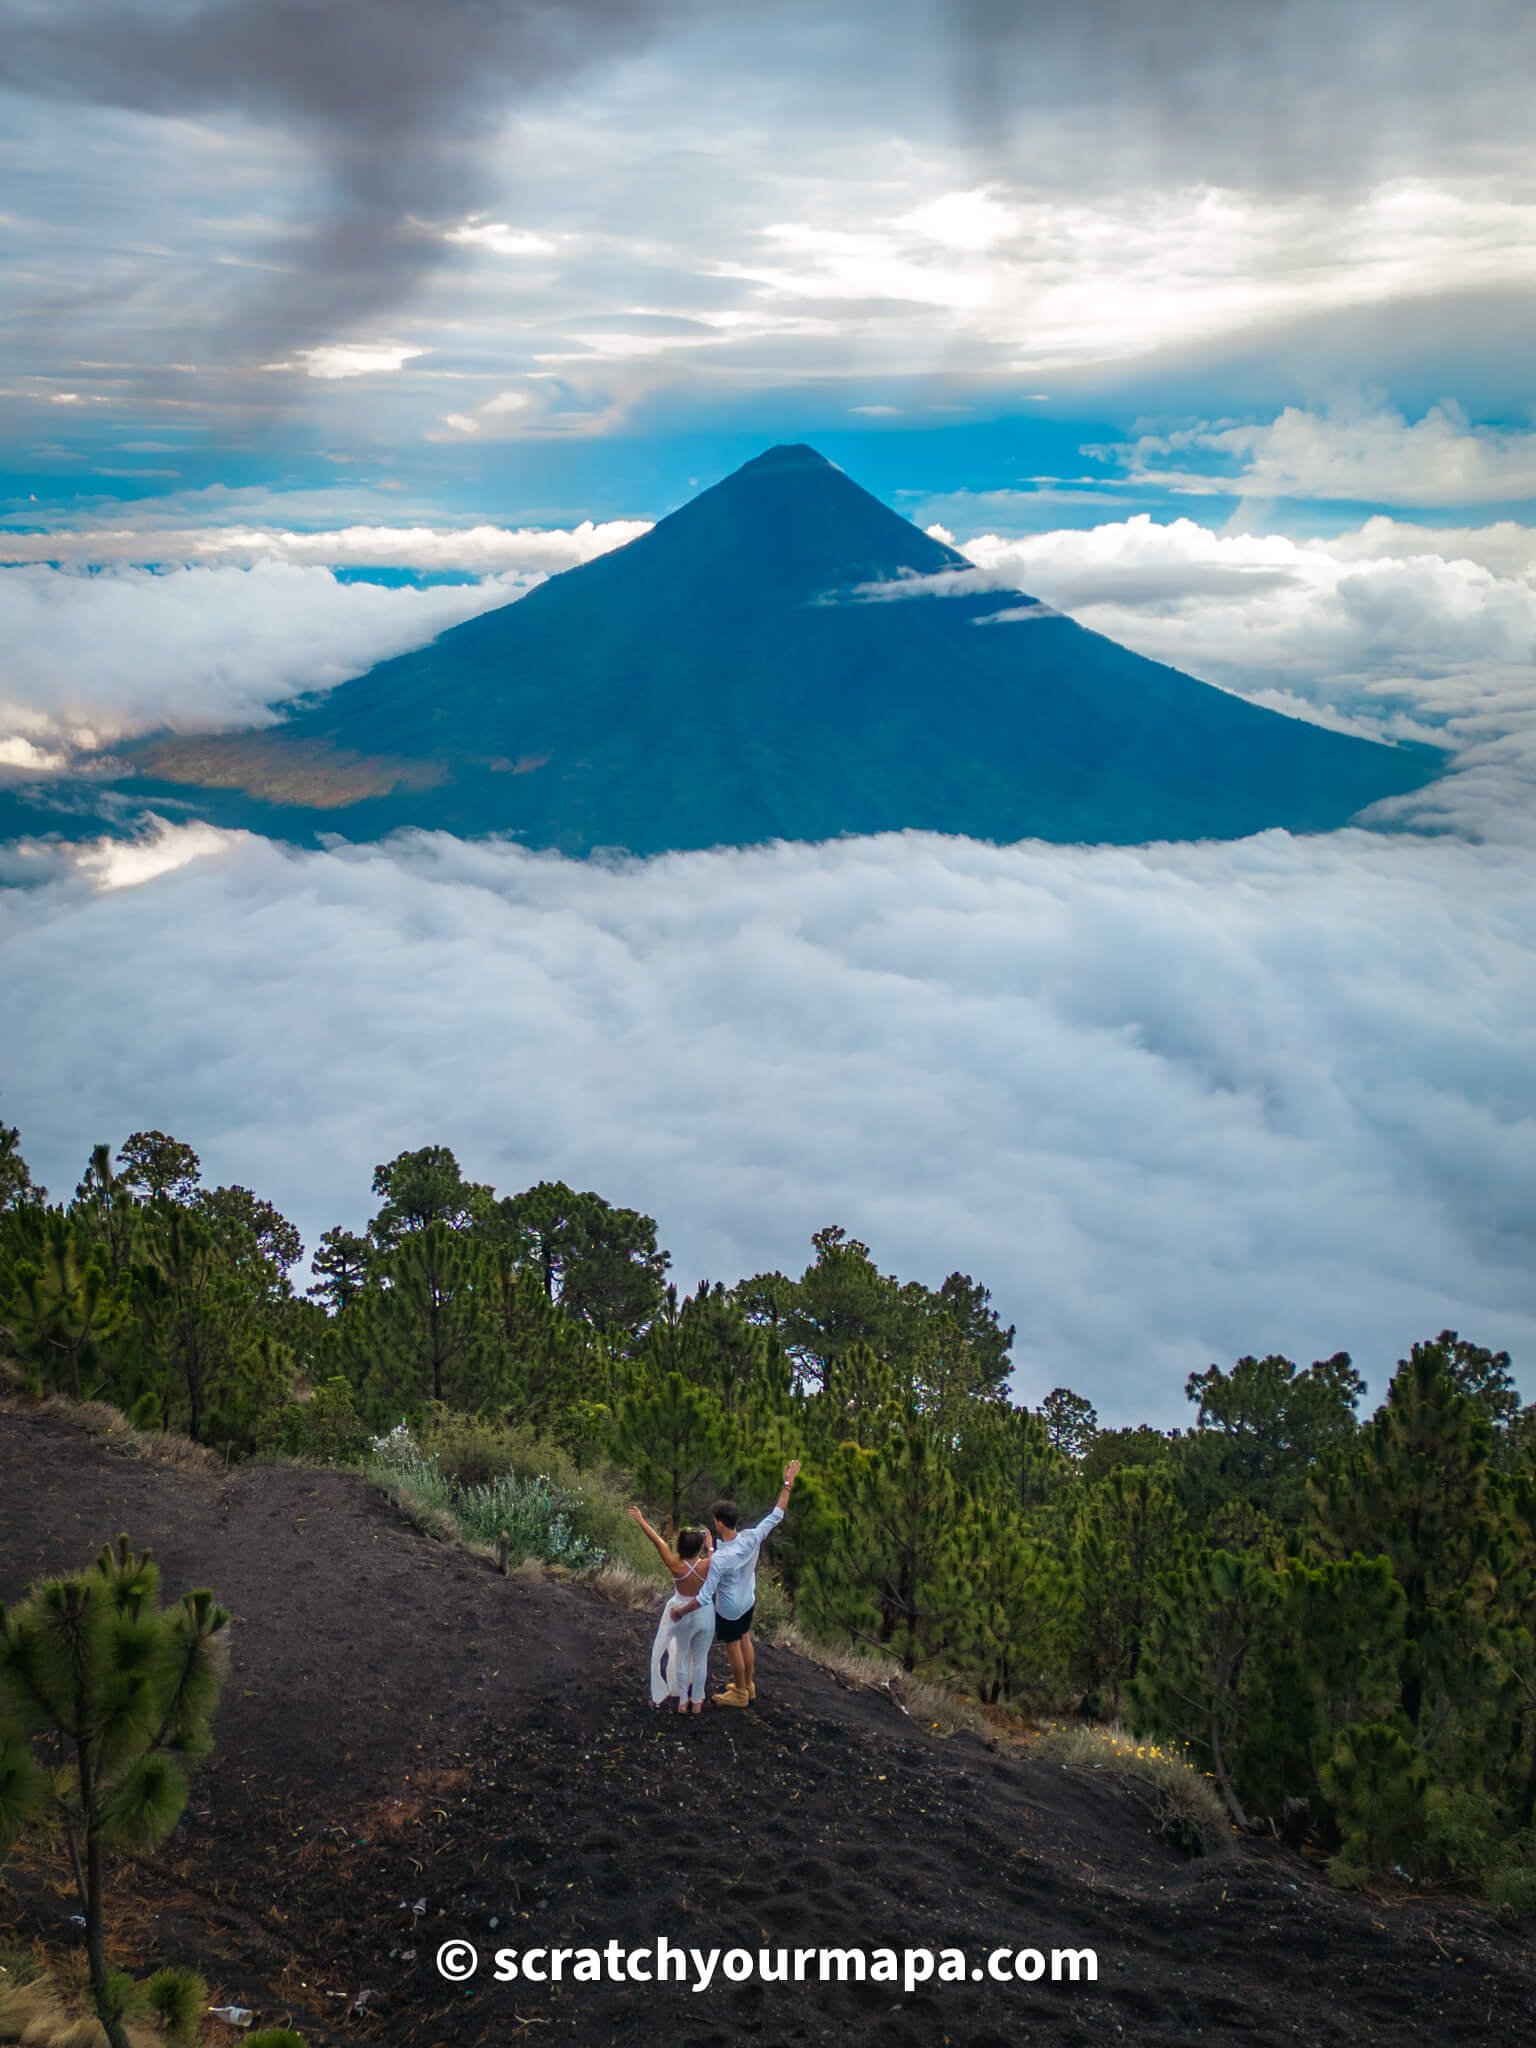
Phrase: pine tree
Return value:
(1214, 1617)
(1415, 1490)
(1262, 1425)
(114, 1691)
(1377, 1782)
(204, 1356)
(600, 1262)
(1004, 1455)
(153, 1164)
(841, 1300)
(672, 1436)
(1071, 1423)
(427, 1326)
(1339, 1662)
(16, 1185)
(421, 1188)
(62, 1306)
(341, 1268)
(1130, 1530)
(1016, 1606)
(1509, 1616)
(1486, 1376)
(884, 1570)
(107, 1210)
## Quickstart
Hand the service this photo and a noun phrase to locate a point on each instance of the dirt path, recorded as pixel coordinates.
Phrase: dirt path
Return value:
(401, 1725)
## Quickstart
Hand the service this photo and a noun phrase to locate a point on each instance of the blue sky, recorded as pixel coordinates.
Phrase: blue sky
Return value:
(1211, 325)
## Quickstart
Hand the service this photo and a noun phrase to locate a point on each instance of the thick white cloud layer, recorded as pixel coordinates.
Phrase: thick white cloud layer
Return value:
(99, 657)
(91, 659)
(1170, 1104)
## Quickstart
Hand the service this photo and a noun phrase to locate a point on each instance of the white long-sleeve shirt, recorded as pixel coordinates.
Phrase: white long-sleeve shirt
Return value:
(730, 1586)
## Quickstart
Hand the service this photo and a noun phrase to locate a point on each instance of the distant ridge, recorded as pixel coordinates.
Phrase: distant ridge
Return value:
(723, 680)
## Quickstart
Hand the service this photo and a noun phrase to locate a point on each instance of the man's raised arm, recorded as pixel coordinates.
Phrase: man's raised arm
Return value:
(775, 1514)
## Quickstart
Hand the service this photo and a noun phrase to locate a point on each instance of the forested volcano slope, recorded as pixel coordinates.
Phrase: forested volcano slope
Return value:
(401, 1724)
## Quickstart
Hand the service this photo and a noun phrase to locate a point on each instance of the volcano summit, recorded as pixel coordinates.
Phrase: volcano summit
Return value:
(783, 658)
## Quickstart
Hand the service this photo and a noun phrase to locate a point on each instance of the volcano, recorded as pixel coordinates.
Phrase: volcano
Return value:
(782, 658)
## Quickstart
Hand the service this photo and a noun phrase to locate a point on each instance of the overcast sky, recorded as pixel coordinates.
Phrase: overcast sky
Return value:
(1209, 325)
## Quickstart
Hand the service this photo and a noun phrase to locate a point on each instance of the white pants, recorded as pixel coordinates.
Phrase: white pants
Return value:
(680, 1654)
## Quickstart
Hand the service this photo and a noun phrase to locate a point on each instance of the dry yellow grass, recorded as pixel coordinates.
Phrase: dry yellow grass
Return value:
(110, 1427)
(37, 2015)
(1180, 1797)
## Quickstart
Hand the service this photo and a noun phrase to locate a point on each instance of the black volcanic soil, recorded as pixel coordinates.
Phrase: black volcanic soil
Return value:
(401, 1725)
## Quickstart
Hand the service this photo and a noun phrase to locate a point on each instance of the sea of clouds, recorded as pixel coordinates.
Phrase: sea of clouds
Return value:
(1171, 1104)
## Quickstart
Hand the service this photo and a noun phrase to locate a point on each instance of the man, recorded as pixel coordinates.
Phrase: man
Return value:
(730, 1587)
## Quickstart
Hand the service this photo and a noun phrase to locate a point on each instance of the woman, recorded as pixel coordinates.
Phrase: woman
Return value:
(682, 1645)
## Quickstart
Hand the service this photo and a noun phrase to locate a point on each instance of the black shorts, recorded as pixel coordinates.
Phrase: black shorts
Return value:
(733, 1631)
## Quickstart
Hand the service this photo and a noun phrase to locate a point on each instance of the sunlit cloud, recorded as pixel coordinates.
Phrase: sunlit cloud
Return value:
(1369, 457)
(499, 239)
(338, 359)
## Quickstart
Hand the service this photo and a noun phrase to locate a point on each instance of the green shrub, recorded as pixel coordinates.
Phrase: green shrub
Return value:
(275, 2037)
(1464, 1841)
(772, 1613)
(324, 1430)
(1377, 1784)
(539, 1517)
(1510, 1878)
(475, 1452)
(535, 1515)
(1461, 1833)
(175, 1999)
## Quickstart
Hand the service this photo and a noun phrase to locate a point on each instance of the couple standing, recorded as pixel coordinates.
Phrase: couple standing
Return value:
(714, 1593)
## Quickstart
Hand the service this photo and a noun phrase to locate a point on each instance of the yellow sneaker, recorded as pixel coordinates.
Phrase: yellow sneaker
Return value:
(732, 1697)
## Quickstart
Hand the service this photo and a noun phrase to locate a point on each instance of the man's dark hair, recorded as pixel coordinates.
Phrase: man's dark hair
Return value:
(726, 1511)
(690, 1542)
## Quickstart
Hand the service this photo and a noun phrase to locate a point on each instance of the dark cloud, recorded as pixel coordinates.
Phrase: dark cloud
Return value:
(395, 100)
(1297, 92)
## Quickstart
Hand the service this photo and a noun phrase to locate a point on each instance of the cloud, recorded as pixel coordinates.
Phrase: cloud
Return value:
(1389, 630)
(499, 238)
(337, 359)
(479, 550)
(1019, 281)
(1171, 1104)
(99, 653)
(870, 217)
(395, 104)
(96, 658)
(1303, 96)
(1362, 457)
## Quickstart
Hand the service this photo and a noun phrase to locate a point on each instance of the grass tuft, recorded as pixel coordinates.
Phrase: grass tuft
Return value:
(1184, 1806)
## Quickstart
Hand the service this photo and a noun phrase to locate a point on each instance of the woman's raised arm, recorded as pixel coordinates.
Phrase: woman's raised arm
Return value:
(669, 1557)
